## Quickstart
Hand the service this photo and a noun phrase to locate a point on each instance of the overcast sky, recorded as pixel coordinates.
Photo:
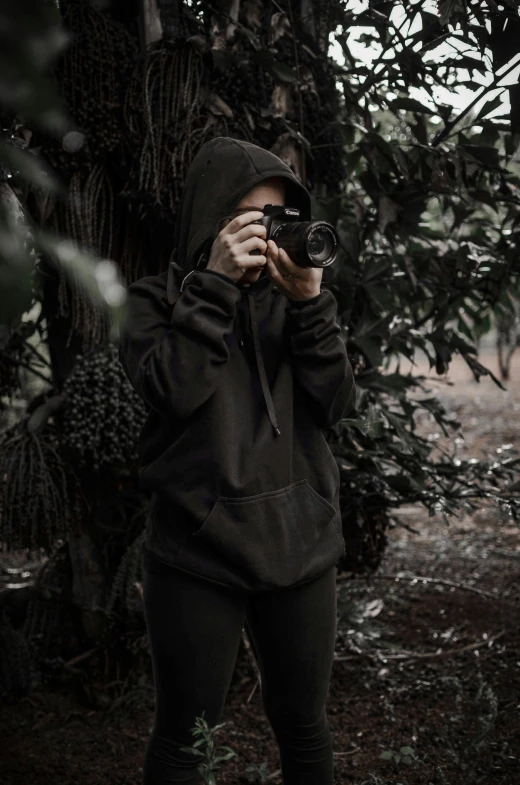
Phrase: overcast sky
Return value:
(459, 97)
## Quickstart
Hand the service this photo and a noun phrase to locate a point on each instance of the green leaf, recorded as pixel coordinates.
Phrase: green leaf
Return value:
(467, 62)
(488, 107)
(457, 342)
(376, 429)
(383, 145)
(227, 756)
(192, 751)
(410, 105)
(351, 161)
(371, 330)
(464, 328)
(371, 348)
(399, 427)
(326, 208)
(430, 23)
(374, 380)
(489, 156)
(449, 7)
(388, 212)
(30, 168)
(375, 268)
(16, 270)
(278, 69)
(434, 43)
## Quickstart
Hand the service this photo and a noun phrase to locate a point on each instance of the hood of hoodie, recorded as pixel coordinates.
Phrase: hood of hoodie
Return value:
(222, 172)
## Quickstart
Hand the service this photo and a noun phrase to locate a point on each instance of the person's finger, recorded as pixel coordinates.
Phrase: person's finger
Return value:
(271, 267)
(286, 261)
(277, 255)
(248, 231)
(242, 220)
(272, 259)
(252, 261)
(253, 242)
(273, 249)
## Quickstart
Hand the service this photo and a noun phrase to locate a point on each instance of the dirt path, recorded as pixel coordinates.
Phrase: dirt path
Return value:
(432, 667)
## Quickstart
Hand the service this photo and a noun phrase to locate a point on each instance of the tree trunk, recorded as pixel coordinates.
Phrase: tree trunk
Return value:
(89, 588)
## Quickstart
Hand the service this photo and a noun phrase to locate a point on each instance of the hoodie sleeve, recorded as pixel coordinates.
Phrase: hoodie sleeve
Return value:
(320, 362)
(173, 355)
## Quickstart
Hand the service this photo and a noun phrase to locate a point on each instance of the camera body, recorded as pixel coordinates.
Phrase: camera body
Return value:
(308, 243)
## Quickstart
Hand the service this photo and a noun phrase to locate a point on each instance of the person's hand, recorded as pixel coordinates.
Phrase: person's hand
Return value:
(230, 249)
(297, 283)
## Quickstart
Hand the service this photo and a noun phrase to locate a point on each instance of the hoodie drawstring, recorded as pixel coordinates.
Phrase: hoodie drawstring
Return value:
(261, 368)
(256, 340)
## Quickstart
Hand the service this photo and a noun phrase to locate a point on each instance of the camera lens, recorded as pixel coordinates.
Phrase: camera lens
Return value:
(321, 244)
(308, 243)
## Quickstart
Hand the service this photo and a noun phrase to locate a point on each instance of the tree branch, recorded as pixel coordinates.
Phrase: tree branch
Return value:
(442, 581)
(486, 89)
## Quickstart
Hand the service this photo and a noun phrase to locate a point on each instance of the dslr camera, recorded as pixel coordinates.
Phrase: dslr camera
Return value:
(308, 243)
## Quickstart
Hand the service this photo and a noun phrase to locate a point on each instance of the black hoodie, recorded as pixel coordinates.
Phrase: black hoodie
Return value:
(239, 383)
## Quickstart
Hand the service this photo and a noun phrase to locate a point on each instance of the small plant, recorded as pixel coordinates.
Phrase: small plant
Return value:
(206, 748)
(256, 774)
(471, 725)
(405, 755)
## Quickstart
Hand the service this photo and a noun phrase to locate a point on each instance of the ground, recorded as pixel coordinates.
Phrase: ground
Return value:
(431, 666)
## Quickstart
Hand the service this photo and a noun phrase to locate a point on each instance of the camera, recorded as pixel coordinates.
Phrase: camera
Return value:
(308, 243)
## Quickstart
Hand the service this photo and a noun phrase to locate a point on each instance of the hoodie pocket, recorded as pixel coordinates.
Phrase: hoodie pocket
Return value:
(279, 537)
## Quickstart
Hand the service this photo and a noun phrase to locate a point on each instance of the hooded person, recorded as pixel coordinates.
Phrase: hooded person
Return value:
(239, 382)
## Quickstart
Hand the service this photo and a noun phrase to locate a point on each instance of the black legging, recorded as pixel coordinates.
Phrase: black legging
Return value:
(194, 630)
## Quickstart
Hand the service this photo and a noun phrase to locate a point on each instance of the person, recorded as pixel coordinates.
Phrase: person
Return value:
(240, 361)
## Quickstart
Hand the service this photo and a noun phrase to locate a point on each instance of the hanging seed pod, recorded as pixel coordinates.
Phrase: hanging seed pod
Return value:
(39, 499)
(92, 76)
(87, 216)
(103, 414)
(162, 107)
